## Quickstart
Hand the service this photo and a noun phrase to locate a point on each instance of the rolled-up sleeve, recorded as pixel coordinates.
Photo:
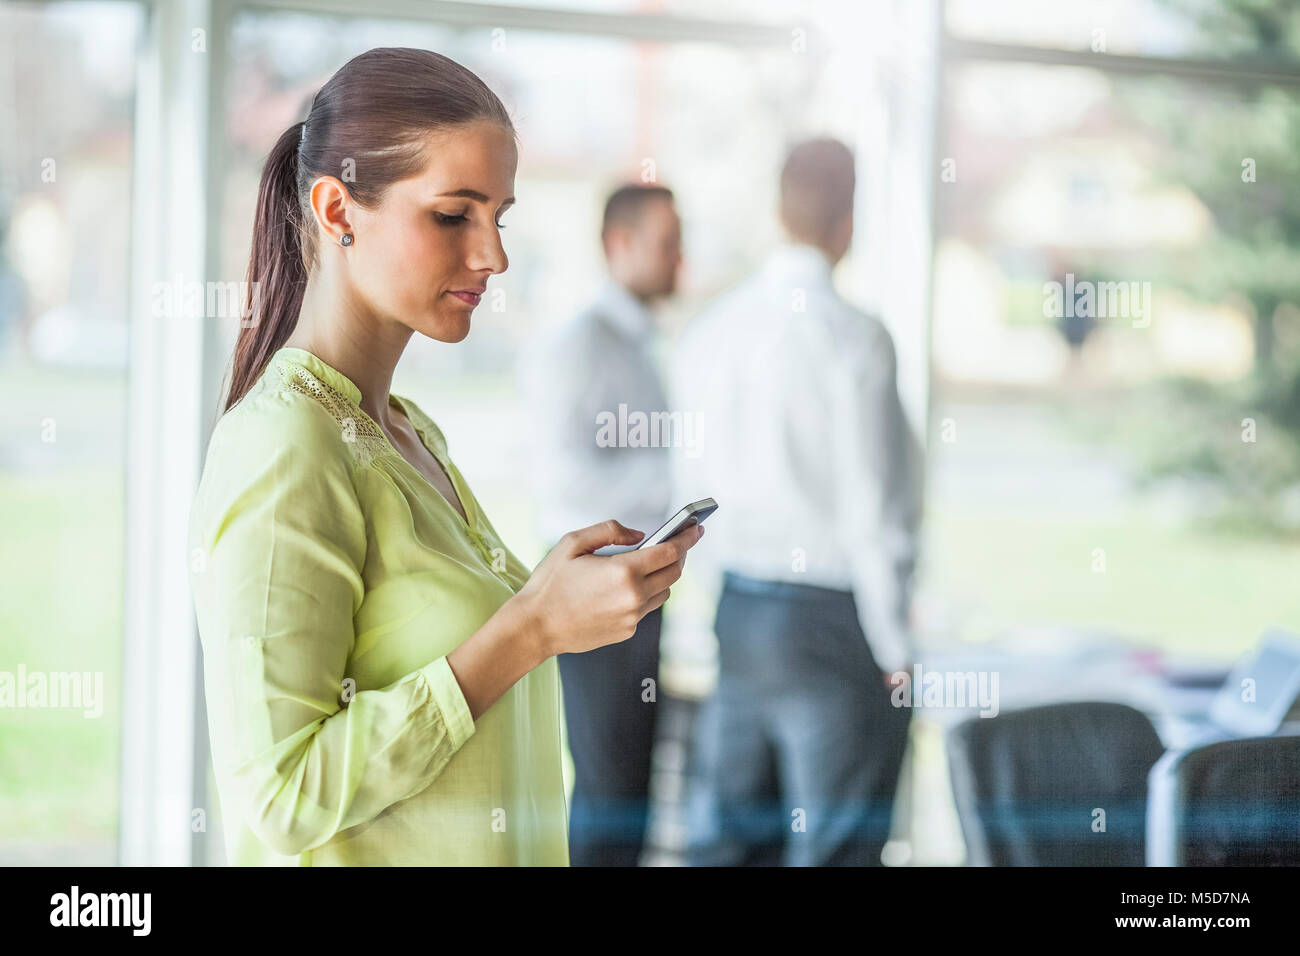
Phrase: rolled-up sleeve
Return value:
(277, 545)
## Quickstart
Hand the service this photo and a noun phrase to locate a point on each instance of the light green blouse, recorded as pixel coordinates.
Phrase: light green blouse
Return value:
(331, 580)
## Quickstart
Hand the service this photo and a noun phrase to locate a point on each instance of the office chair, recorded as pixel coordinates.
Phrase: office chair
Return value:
(1058, 785)
(1232, 803)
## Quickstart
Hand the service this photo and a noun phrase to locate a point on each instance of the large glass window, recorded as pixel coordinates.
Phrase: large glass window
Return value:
(1114, 298)
(65, 203)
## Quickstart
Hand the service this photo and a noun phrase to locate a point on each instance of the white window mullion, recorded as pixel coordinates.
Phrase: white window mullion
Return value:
(169, 244)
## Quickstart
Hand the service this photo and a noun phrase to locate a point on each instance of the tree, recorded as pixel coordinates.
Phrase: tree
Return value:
(1237, 150)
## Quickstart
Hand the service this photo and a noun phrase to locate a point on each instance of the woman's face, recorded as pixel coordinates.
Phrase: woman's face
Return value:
(423, 256)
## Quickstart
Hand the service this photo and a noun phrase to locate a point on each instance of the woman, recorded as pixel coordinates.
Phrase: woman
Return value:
(380, 668)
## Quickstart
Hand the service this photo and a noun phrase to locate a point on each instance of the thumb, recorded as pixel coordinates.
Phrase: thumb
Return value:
(587, 540)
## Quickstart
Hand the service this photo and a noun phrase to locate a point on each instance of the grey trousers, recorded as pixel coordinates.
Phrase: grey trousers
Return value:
(798, 752)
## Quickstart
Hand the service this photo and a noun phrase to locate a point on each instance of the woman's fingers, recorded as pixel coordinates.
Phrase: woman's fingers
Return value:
(648, 560)
(661, 579)
(593, 537)
(655, 601)
(592, 601)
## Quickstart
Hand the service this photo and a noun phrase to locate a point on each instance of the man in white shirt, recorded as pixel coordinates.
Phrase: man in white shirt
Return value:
(804, 445)
(594, 370)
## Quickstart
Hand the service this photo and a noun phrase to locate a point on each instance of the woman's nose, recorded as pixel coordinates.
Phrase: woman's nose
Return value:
(489, 253)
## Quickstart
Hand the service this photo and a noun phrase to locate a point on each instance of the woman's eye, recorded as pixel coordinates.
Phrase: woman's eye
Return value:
(456, 220)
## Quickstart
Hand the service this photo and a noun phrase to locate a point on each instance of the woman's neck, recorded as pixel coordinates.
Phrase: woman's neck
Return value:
(359, 346)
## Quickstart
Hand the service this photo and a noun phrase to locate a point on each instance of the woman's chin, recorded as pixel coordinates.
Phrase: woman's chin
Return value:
(446, 328)
(458, 327)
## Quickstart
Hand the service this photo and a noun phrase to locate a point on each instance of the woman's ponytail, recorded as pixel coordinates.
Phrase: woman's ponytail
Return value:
(277, 270)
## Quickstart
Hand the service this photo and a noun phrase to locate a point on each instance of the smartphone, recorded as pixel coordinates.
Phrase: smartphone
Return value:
(694, 513)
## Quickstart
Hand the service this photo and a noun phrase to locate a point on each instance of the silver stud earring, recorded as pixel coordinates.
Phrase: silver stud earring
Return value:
(346, 240)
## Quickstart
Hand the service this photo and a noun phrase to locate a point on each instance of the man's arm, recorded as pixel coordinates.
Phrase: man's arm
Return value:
(879, 498)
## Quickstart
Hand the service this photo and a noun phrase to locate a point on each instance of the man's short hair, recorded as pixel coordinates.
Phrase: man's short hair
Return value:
(816, 188)
(626, 204)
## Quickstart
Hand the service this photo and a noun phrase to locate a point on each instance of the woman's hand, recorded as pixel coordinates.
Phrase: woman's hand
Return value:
(575, 601)
(580, 601)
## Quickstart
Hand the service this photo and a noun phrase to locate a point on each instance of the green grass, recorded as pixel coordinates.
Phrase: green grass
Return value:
(62, 556)
(1185, 590)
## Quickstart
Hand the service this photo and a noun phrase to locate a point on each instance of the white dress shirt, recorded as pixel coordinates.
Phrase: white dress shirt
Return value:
(573, 378)
(803, 443)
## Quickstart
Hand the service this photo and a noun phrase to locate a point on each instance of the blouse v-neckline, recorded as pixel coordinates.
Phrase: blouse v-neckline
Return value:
(349, 390)
(468, 519)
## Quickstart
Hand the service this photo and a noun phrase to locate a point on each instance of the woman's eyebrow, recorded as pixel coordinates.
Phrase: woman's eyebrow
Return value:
(473, 194)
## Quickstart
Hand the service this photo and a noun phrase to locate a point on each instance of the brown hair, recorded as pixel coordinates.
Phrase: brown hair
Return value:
(372, 119)
(817, 183)
(626, 204)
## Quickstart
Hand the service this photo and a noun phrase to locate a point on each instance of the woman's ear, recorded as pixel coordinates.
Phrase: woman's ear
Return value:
(330, 204)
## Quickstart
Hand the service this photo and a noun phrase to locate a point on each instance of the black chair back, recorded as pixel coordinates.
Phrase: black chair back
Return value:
(1059, 785)
(1237, 803)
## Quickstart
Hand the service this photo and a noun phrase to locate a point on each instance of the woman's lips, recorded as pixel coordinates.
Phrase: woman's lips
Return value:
(469, 298)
